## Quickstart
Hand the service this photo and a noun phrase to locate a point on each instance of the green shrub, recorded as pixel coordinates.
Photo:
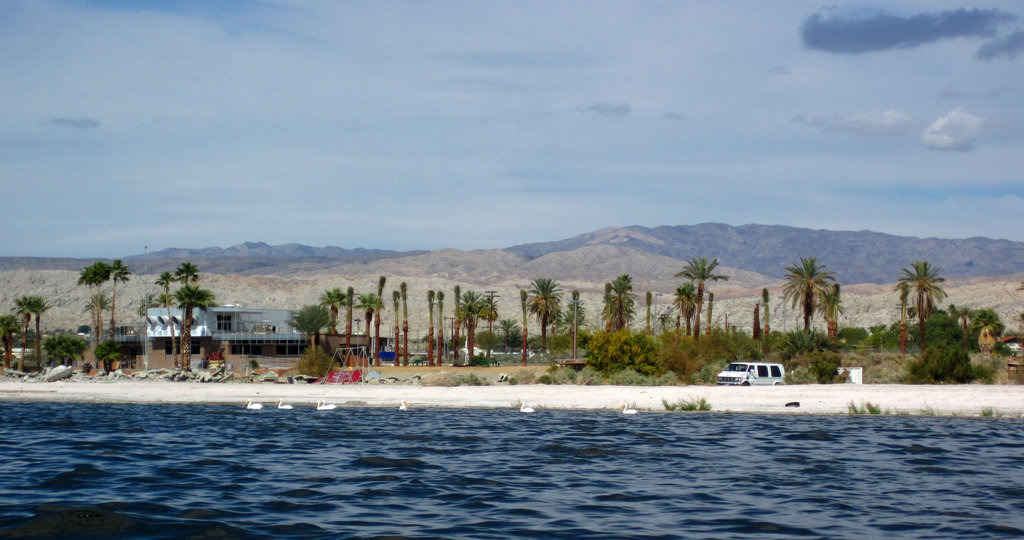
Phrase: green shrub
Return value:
(709, 373)
(589, 376)
(668, 379)
(941, 363)
(628, 377)
(562, 375)
(687, 358)
(544, 379)
(609, 352)
(523, 377)
(818, 366)
(800, 342)
(689, 404)
(865, 407)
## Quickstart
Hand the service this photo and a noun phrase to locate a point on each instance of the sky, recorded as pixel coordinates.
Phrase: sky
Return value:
(128, 127)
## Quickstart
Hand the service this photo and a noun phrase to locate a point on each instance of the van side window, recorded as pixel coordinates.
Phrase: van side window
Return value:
(762, 371)
(776, 372)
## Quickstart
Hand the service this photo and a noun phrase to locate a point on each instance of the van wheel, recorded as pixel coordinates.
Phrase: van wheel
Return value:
(745, 383)
(777, 383)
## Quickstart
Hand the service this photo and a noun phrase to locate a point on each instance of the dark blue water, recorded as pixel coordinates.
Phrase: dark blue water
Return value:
(144, 471)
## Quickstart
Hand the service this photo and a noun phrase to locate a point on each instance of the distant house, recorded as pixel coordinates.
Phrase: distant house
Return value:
(1014, 343)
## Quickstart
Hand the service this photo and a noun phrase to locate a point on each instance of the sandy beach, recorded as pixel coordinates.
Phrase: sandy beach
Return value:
(966, 400)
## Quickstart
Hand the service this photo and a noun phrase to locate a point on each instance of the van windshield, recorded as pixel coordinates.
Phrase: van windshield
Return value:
(736, 367)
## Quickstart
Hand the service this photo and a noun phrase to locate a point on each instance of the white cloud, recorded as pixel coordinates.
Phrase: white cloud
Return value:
(868, 124)
(958, 131)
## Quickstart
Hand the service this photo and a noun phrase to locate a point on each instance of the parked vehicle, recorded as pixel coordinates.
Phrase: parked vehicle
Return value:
(752, 373)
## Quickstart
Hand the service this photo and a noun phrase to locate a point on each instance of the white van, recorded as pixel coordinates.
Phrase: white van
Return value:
(752, 373)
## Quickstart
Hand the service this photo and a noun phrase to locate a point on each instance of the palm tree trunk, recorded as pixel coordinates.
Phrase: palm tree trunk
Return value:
(696, 315)
(397, 348)
(430, 346)
(405, 342)
(470, 340)
(39, 344)
(455, 342)
(376, 341)
(186, 339)
(113, 308)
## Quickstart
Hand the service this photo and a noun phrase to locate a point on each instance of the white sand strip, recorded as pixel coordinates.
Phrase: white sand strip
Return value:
(969, 400)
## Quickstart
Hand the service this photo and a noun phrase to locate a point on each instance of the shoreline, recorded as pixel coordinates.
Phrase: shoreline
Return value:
(942, 400)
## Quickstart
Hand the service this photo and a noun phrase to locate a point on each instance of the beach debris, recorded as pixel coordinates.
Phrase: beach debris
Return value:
(793, 404)
(58, 373)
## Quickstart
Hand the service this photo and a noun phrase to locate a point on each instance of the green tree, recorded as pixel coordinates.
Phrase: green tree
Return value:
(310, 321)
(964, 315)
(118, 272)
(685, 301)
(8, 327)
(471, 309)
(609, 352)
(440, 327)
(64, 348)
(524, 303)
(455, 313)
(989, 327)
(107, 353)
(165, 280)
(368, 303)
(700, 271)
(508, 328)
(94, 276)
(807, 283)
(396, 299)
(333, 299)
(187, 273)
(189, 298)
(545, 304)
(941, 364)
(832, 308)
(25, 307)
(922, 280)
(620, 302)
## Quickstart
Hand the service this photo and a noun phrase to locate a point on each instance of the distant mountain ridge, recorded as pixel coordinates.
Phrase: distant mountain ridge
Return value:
(854, 256)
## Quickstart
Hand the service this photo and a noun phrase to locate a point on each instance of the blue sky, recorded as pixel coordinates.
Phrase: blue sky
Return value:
(424, 125)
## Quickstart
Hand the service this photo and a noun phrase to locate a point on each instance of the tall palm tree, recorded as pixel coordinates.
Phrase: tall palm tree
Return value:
(767, 327)
(700, 271)
(620, 303)
(430, 327)
(8, 327)
(711, 307)
(650, 299)
(832, 308)
(757, 322)
(404, 290)
(377, 320)
(190, 297)
(440, 327)
(39, 306)
(471, 309)
(165, 280)
(98, 304)
(904, 290)
(310, 321)
(187, 273)
(455, 314)
(807, 282)
(923, 281)
(368, 302)
(685, 301)
(118, 272)
(524, 300)
(350, 304)
(333, 299)
(396, 299)
(545, 304)
(94, 276)
(23, 309)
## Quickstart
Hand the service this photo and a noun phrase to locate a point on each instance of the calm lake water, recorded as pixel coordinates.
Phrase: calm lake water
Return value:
(172, 471)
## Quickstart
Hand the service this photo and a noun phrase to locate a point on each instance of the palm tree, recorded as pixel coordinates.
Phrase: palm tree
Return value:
(376, 321)
(333, 299)
(989, 327)
(524, 299)
(8, 327)
(147, 302)
(64, 348)
(165, 280)
(700, 271)
(310, 320)
(187, 273)
(118, 272)
(620, 303)
(396, 299)
(685, 301)
(404, 290)
(964, 315)
(546, 304)
(767, 327)
(23, 309)
(711, 307)
(757, 322)
(807, 282)
(94, 275)
(471, 309)
(39, 306)
(108, 352)
(649, 298)
(455, 315)
(508, 327)
(190, 297)
(440, 327)
(923, 280)
(98, 304)
(430, 328)
(368, 302)
(350, 303)
(832, 308)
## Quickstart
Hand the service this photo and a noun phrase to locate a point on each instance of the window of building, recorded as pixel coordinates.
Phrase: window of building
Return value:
(223, 322)
(247, 348)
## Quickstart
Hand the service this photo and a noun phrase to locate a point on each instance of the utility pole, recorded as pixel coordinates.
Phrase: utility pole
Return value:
(490, 317)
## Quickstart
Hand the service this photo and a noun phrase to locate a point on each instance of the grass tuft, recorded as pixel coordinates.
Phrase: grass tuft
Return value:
(688, 404)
